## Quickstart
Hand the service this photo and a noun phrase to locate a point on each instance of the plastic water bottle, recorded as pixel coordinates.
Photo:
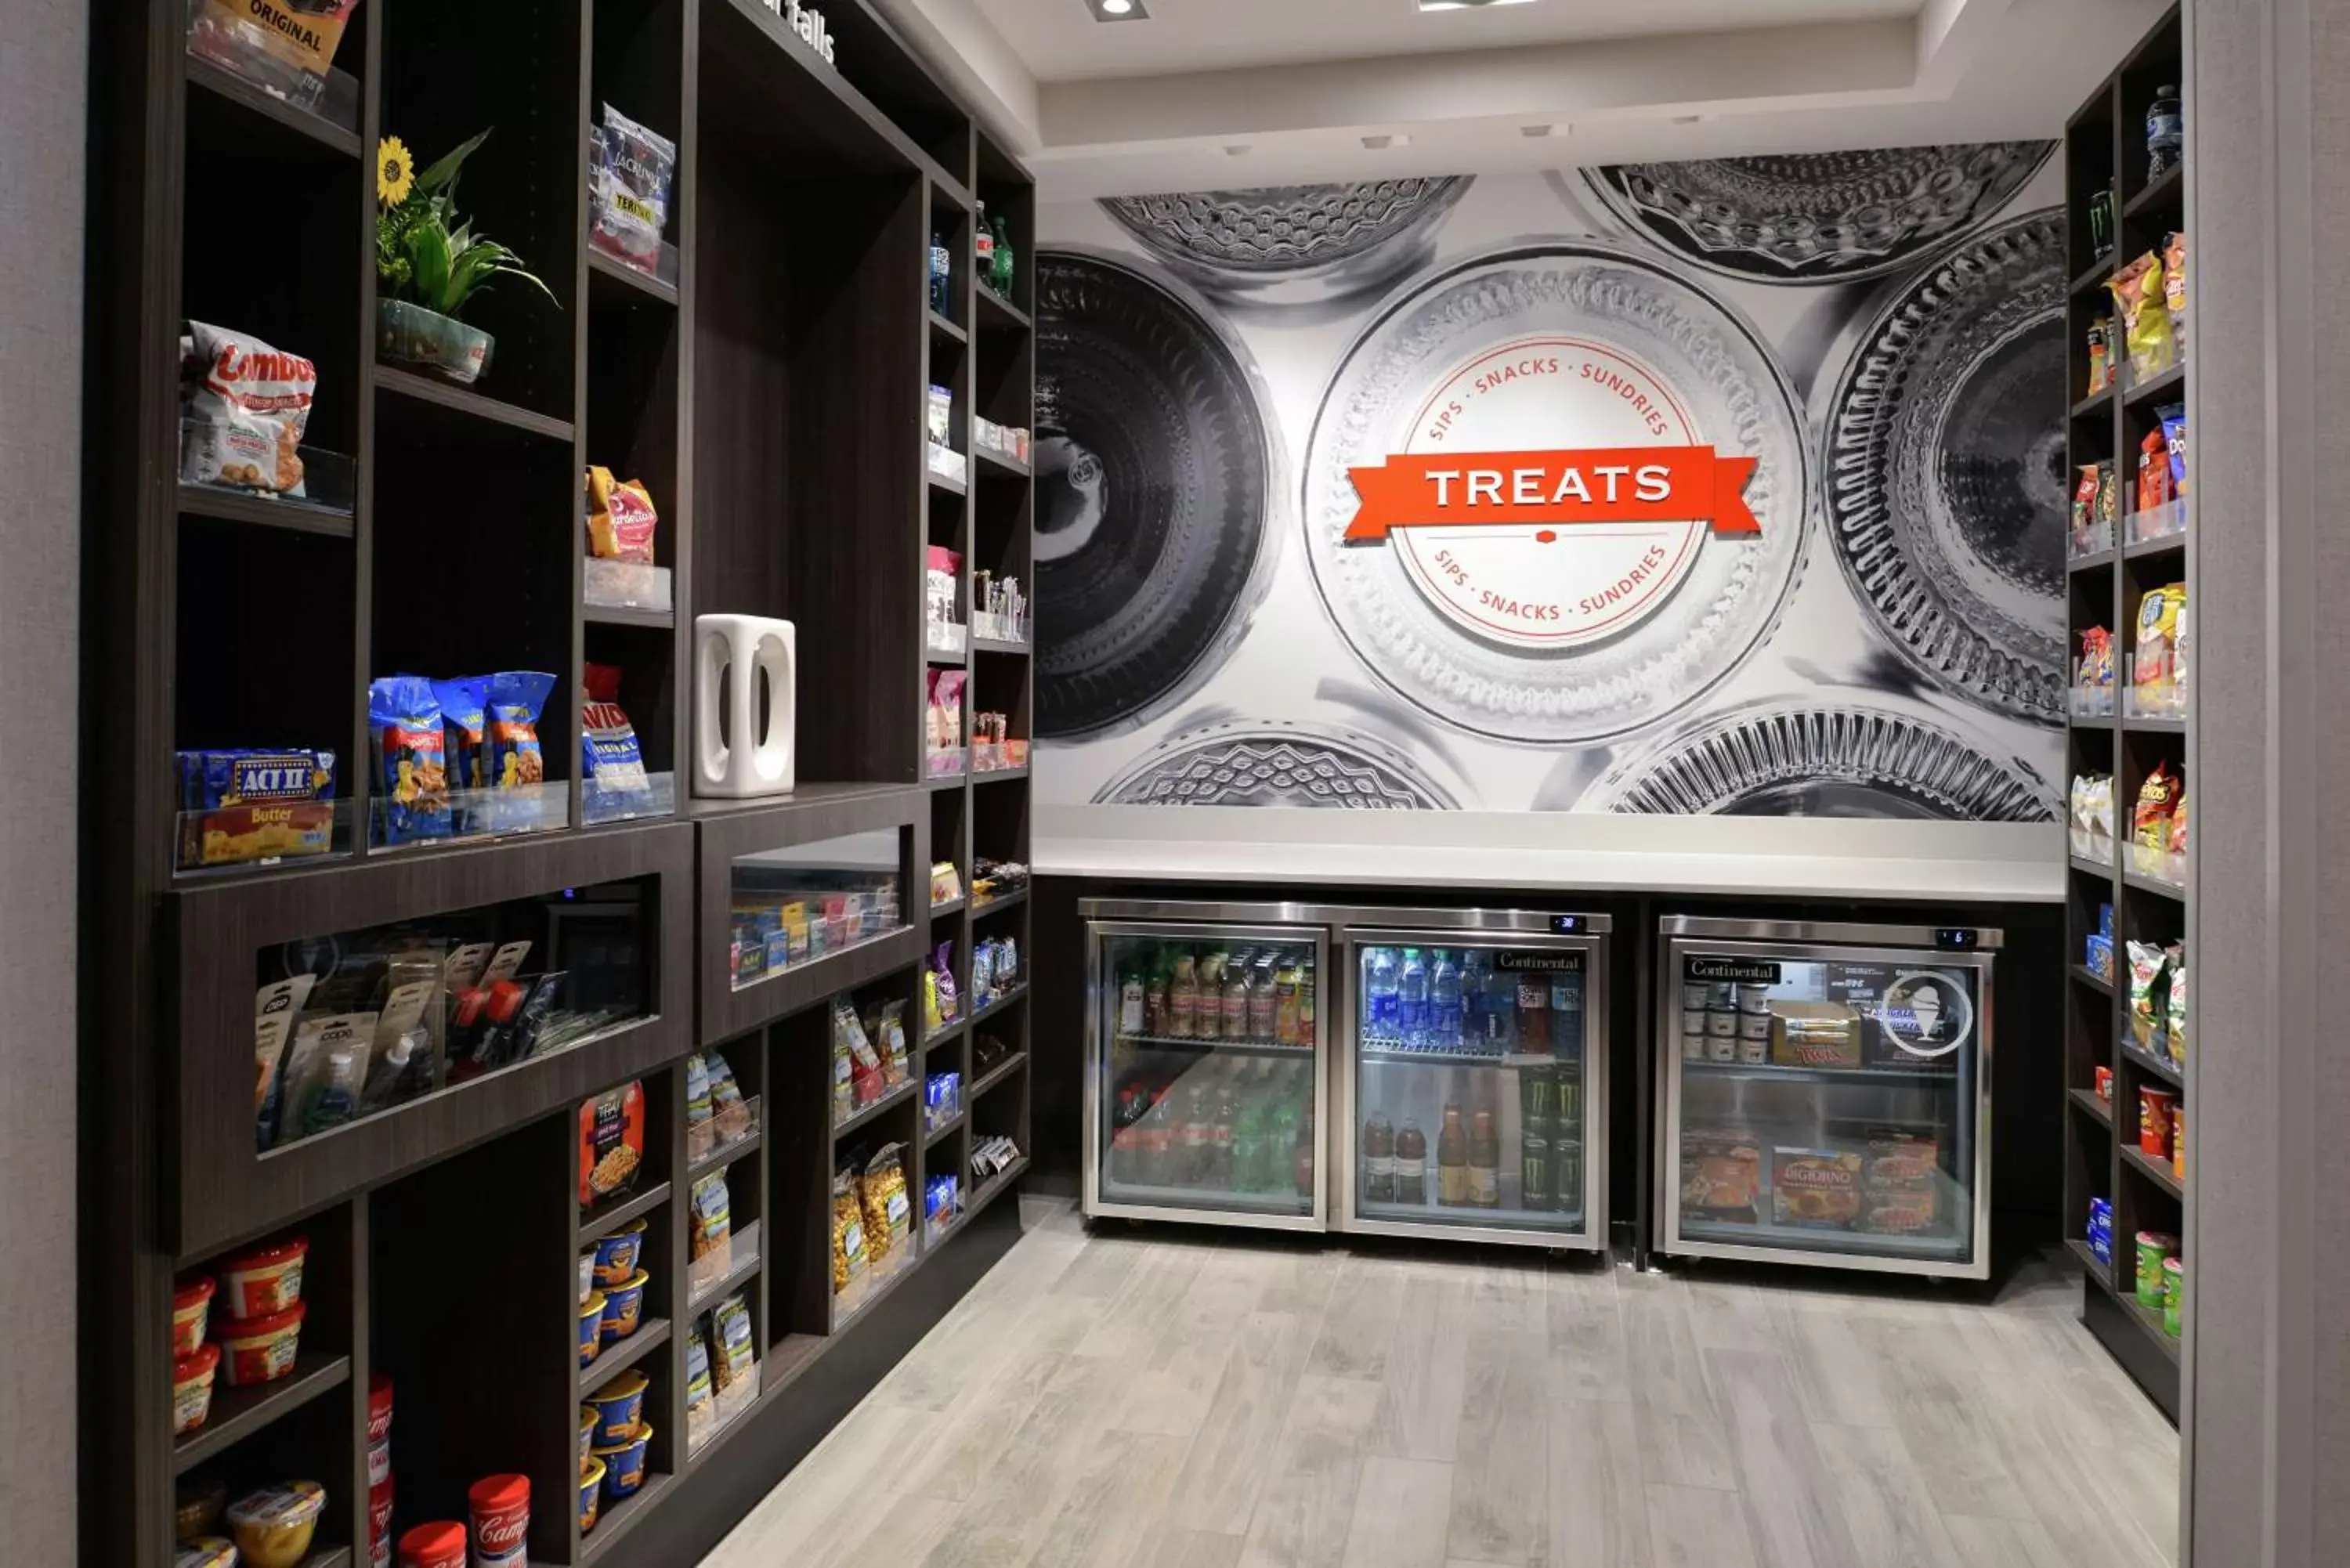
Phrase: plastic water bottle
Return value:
(1412, 1002)
(1476, 968)
(1445, 1003)
(1379, 1000)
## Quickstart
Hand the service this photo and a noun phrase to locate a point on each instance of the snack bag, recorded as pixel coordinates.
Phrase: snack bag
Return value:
(612, 1144)
(2150, 818)
(713, 1229)
(411, 774)
(2096, 666)
(253, 805)
(515, 762)
(889, 1213)
(245, 406)
(287, 44)
(2147, 998)
(732, 1352)
(621, 518)
(2174, 440)
(609, 749)
(2109, 501)
(730, 1113)
(631, 194)
(2153, 472)
(2174, 290)
(2101, 363)
(942, 966)
(2137, 289)
(864, 1064)
(848, 1255)
(945, 716)
(888, 1029)
(2175, 1039)
(2154, 665)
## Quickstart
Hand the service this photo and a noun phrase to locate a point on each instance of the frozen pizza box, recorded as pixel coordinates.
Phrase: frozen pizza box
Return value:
(1815, 1188)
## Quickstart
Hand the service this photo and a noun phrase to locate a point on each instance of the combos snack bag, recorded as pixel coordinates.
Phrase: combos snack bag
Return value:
(612, 1144)
(271, 41)
(411, 773)
(621, 519)
(239, 805)
(245, 406)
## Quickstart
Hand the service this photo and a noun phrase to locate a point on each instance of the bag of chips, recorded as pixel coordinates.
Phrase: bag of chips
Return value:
(2155, 668)
(2151, 816)
(2137, 289)
(411, 776)
(2174, 441)
(515, 763)
(2174, 291)
(608, 750)
(888, 1029)
(621, 518)
(2148, 992)
(866, 1085)
(244, 407)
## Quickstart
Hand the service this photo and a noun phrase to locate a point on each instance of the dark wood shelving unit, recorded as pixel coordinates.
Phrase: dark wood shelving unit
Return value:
(768, 389)
(2104, 153)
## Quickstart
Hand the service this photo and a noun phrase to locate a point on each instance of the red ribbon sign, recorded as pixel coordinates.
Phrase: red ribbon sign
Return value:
(1625, 485)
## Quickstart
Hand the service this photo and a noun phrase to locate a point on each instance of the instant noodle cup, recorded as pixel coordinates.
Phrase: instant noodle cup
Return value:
(619, 1404)
(591, 1488)
(204, 1551)
(624, 1466)
(379, 1426)
(191, 1305)
(591, 1326)
(624, 1306)
(273, 1526)
(588, 1424)
(617, 1254)
(266, 1280)
(439, 1544)
(259, 1350)
(192, 1388)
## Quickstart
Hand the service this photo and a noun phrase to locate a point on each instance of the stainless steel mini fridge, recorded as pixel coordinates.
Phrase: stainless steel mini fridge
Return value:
(1431, 1072)
(1825, 1094)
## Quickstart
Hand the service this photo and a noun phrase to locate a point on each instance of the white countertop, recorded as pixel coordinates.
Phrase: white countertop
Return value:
(1813, 858)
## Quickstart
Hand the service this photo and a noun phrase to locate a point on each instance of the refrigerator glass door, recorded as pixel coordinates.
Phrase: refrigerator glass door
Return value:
(1472, 1093)
(1206, 1073)
(1825, 1104)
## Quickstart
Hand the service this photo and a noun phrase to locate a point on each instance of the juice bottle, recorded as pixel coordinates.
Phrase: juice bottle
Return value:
(1184, 998)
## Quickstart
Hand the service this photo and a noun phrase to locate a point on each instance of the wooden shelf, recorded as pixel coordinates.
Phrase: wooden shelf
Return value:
(2088, 867)
(997, 313)
(1001, 901)
(2171, 380)
(617, 614)
(888, 1101)
(2154, 1170)
(931, 1137)
(1000, 464)
(227, 86)
(2149, 726)
(2155, 885)
(948, 329)
(2165, 545)
(2087, 1101)
(719, 1289)
(2146, 1060)
(613, 1524)
(265, 511)
(459, 406)
(719, 1157)
(807, 797)
(873, 1292)
(2151, 1320)
(651, 1333)
(608, 277)
(997, 775)
(2167, 191)
(981, 1014)
(2096, 561)
(944, 1032)
(998, 645)
(946, 781)
(996, 1074)
(945, 484)
(596, 1226)
(2094, 280)
(2090, 978)
(2089, 1264)
(238, 1413)
(951, 907)
(2095, 403)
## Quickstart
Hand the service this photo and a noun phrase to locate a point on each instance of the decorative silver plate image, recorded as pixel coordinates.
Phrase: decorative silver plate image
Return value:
(1817, 217)
(1867, 758)
(1343, 237)
(1275, 763)
(1157, 512)
(1576, 633)
(1945, 469)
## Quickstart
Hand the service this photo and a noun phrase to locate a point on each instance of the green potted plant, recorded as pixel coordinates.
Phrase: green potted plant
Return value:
(428, 262)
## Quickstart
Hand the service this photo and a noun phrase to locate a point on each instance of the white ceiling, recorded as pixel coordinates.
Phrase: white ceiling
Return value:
(1060, 41)
(1218, 94)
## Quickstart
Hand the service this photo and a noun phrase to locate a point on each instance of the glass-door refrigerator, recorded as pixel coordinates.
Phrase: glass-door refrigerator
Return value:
(1204, 1064)
(1472, 1098)
(1825, 1094)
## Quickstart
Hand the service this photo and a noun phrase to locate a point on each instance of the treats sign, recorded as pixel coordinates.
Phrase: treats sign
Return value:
(1524, 538)
(808, 23)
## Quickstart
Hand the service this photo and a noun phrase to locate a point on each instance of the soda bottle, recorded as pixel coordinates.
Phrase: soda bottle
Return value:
(1154, 1001)
(1485, 1163)
(1129, 1003)
(1379, 1000)
(941, 270)
(1301, 1156)
(1412, 1002)
(1155, 1148)
(1002, 260)
(1446, 1015)
(1305, 1035)
(1264, 1006)
(1501, 1012)
(1412, 1165)
(1194, 1131)
(1378, 1160)
(983, 247)
(1284, 1002)
(1534, 1012)
(1233, 1008)
(1221, 1135)
(1452, 1162)
(1184, 998)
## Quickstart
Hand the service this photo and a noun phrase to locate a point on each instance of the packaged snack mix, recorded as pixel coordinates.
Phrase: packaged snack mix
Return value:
(888, 1029)
(939, 415)
(608, 750)
(464, 722)
(621, 518)
(288, 45)
(889, 1213)
(709, 1242)
(2148, 992)
(864, 1063)
(730, 1352)
(631, 188)
(2084, 511)
(2096, 666)
(942, 966)
(729, 1112)
(848, 1256)
(244, 407)
(2109, 499)
(512, 702)
(2137, 290)
(2153, 472)
(699, 1136)
(2175, 1036)
(410, 768)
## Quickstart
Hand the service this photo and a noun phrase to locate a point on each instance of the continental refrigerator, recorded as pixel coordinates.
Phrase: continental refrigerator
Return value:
(1824, 1093)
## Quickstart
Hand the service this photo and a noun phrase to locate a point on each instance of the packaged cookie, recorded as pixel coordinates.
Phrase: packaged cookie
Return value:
(411, 776)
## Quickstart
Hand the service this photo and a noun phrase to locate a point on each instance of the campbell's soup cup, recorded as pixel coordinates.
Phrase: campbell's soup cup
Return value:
(191, 1305)
(500, 1509)
(267, 1279)
(192, 1388)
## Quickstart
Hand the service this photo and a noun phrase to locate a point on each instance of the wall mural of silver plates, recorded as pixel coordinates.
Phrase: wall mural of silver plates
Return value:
(1881, 331)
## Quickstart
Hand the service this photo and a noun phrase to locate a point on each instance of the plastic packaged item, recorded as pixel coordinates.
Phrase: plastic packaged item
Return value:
(2091, 815)
(848, 1255)
(244, 804)
(2152, 472)
(513, 700)
(2150, 820)
(621, 518)
(2101, 363)
(732, 1352)
(2149, 995)
(2174, 290)
(411, 776)
(938, 415)
(2137, 290)
(637, 169)
(888, 1211)
(711, 1238)
(612, 1144)
(944, 721)
(943, 980)
(865, 1081)
(247, 406)
(191, 1387)
(264, 1278)
(888, 1031)
(208, 1551)
(612, 759)
(2100, 1233)
(2156, 670)
(273, 1527)
(2174, 443)
(2175, 1036)
(946, 882)
(499, 1506)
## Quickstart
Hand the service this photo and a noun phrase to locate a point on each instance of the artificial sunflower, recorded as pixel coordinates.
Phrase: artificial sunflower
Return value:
(393, 172)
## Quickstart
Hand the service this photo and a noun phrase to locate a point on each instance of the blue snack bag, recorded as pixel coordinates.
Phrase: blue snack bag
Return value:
(609, 748)
(411, 776)
(464, 727)
(514, 762)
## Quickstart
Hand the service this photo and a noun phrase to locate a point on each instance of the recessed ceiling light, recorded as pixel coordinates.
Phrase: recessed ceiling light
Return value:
(1536, 129)
(1467, 4)
(1379, 143)
(1118, 10)
(1237, 150)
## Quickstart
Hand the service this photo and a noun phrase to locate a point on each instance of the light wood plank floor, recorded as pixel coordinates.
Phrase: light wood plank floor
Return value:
(1139, 1399)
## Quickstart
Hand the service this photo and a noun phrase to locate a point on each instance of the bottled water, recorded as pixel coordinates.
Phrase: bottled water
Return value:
(1445, 1003)
(1411, 1003)
(1476, 972)
(1379, 1000)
